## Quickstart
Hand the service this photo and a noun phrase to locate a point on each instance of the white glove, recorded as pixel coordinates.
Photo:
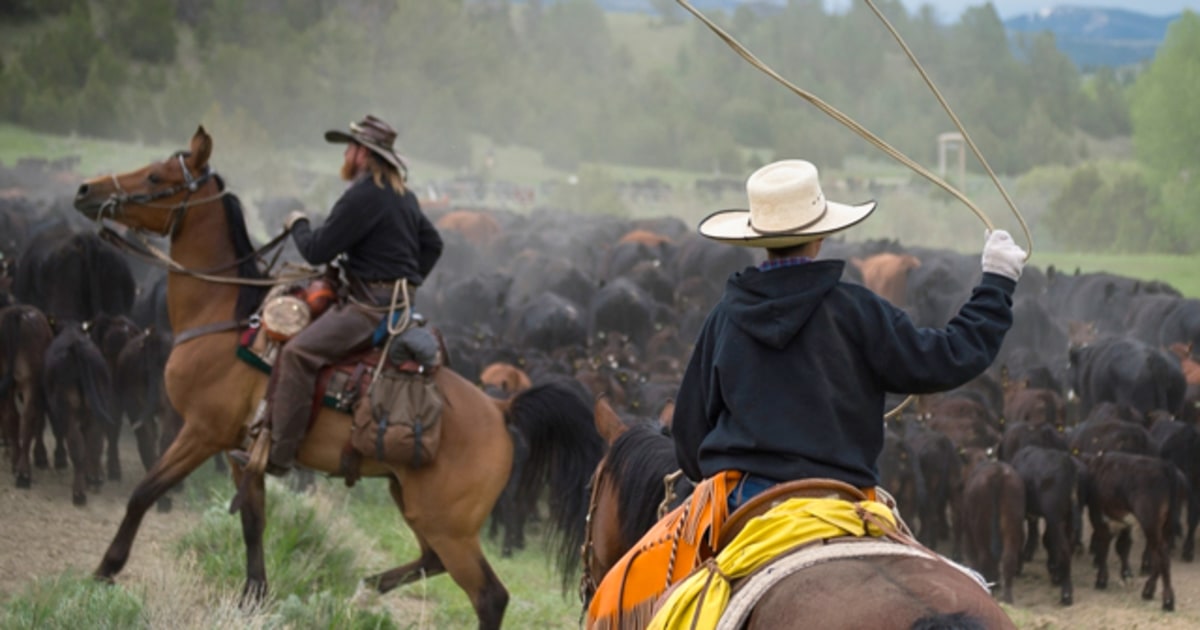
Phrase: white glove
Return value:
(292, 218)
(1002, 256)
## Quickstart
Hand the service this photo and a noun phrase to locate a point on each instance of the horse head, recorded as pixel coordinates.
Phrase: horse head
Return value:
(151, 198)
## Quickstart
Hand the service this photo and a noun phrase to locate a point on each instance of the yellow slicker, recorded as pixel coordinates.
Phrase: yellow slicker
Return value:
(702, 597)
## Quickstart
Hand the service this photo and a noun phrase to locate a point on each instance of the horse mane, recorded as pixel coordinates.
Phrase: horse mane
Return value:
(248, 297)
(637, 461)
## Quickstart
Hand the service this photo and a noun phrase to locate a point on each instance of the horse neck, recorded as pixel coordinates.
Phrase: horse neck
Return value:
(202, 242)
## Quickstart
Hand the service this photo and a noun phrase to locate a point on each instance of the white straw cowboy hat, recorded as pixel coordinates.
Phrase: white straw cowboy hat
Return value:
(787, 208)
(374, 134)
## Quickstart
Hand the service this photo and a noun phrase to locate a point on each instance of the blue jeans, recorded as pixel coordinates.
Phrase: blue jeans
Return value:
(747, 488)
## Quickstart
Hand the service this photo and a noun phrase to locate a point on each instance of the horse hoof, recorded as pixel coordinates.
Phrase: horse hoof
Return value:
(163, 505)
(79, 499)
(103, 579)
(373, 581)
(24, 481)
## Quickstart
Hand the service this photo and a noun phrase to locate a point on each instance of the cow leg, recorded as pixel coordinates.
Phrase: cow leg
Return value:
(1193, 518)
(93, 437)
(1124, 544)
(113, 435)
(77, 449)
(1058, 546)
(1100, 539)
(31, 425)
(147, 442)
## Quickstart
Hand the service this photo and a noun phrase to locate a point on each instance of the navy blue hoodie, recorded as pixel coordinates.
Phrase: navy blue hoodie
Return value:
(788, 377)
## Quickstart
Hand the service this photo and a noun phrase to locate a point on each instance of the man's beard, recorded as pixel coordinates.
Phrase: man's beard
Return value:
(350, 171)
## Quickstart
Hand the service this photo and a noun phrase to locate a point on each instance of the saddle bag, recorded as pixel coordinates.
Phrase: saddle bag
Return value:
(399, 421)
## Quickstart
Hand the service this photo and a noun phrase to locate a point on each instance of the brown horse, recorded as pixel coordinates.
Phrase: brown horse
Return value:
(900, 591)
(445, 502)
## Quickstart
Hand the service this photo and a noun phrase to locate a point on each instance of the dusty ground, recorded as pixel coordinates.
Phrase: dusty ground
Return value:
(42, 534)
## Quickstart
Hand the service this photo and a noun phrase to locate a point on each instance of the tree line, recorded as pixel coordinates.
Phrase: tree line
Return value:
(552, 75)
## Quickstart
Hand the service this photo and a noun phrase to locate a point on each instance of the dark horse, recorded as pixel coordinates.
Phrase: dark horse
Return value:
(445, 502)
(900, 591)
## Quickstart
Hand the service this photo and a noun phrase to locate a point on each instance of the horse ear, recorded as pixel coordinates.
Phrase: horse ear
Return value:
(201, 148)
(608, 423)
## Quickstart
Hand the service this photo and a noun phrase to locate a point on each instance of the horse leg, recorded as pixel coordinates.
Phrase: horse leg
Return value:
(253, 522)
(187, 452)
(464, 561)
(428, 565)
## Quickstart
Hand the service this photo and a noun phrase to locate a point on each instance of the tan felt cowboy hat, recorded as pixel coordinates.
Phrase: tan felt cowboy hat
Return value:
(787, 208)
(374, 134)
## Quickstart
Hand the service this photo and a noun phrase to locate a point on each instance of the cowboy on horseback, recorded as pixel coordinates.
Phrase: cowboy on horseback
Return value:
(386, 239)
(788, 377)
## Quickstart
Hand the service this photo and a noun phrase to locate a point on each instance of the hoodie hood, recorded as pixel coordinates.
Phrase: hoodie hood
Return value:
(772, 306)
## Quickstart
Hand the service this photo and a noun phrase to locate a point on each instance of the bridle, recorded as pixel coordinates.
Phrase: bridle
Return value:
(114, 206)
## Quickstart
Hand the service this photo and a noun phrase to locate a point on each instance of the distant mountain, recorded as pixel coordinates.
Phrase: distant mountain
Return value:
(1094, 37)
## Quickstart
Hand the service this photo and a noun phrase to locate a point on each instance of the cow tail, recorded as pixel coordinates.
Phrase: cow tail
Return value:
(94, 381)
(10, 337)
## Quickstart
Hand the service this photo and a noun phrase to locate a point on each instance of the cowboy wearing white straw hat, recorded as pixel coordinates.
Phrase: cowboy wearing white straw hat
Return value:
(385, 238)
(788, 375)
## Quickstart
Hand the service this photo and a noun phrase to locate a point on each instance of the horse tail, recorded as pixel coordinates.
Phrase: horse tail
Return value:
(949, 621)
(564, 450)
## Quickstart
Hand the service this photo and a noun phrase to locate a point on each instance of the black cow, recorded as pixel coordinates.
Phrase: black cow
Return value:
(1121, 485)
(940, 468)
(1179, 443)
(79, 401)
(1127, 371)
(1051, 484)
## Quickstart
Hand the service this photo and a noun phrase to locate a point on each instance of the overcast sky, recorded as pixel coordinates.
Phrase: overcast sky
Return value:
(950, 10)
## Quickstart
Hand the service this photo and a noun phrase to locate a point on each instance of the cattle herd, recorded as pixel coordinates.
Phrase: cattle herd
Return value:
(1089, 410)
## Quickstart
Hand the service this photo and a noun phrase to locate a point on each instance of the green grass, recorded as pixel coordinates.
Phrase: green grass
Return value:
(1181, 272)
(69, 601)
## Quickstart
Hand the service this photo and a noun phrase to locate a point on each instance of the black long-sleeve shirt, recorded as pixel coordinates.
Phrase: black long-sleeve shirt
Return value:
(788, 376)
(384, 235)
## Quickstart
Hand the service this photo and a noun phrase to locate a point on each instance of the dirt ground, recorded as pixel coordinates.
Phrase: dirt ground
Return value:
(42, 534)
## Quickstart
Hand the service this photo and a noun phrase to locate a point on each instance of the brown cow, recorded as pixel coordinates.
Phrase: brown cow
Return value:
(478, 228)
(993, 509)
(887, 274)
(504, 379)
(1120, 486)
(965, 421)
(650, 239)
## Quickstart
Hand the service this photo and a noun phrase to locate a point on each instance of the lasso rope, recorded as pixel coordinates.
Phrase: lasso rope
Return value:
(870, 137)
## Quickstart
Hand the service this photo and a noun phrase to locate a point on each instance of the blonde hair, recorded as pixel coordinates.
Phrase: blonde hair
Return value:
(383, 173)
